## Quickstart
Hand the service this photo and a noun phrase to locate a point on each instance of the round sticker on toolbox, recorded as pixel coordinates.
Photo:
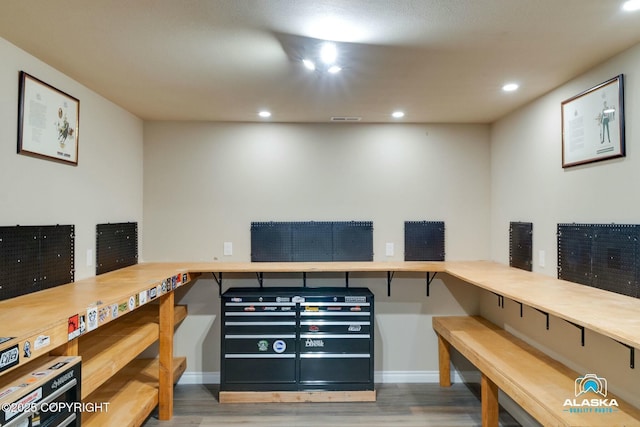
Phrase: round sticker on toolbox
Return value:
(279, 346)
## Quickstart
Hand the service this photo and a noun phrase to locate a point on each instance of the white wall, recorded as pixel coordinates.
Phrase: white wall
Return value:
(106, 186)
(529, 184)
(205, 182)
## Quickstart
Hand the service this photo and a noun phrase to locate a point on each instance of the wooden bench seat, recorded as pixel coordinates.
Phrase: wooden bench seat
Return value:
(535, 381)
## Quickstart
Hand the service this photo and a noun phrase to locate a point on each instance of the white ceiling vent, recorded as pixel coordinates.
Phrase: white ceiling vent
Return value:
(346, 119)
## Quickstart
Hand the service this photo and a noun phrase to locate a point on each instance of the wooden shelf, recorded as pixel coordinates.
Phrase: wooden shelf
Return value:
(46, 313)
(617, 315)
(108, 349)
(150, 313)
(44, 317)
(132, 394)
(535, 381)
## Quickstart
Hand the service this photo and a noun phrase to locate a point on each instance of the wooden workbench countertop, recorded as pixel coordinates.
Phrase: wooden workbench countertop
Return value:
(308, 267)
(610, 314)
(45, 314)
(607, 313)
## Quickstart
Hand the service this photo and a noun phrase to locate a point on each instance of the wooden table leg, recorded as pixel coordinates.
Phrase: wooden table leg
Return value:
(444, 362)
(165, 374)
(490, 407)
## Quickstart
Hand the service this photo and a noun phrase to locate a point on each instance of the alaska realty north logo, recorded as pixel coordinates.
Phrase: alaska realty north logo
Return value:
(586, 387)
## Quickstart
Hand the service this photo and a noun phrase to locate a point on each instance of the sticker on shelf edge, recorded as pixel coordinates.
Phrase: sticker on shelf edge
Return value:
(92, 318)
(26, 349)
(9, 357)
(41, 341)
(74, 327)
(142, 297)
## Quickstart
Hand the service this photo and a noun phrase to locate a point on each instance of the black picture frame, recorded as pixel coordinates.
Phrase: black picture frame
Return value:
(48, 121)
(593, 124)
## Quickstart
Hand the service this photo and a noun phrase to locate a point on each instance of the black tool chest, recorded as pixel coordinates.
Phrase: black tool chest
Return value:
(293, 339)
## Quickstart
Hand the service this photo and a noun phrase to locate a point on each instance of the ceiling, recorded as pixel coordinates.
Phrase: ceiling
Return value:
(224, 60)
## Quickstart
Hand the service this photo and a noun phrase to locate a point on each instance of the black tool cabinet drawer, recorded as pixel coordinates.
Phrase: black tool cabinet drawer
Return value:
(297, 339)
(258, 341)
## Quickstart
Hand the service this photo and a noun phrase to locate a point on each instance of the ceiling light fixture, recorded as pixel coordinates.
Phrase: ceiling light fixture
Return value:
(309, 64)
(510, 87)
(323, 53)
(264, 114)
(328, 53)
(631, 5)
(397, 114)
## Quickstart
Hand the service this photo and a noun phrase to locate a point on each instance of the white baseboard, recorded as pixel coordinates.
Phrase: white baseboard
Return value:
(397, 377)
(200, 378)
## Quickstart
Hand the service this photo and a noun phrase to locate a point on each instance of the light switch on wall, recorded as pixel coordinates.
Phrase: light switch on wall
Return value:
(541, 256)
(389, 249)
(228, 248)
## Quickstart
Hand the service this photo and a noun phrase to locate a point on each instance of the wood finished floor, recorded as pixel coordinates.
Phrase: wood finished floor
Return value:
(402, 405)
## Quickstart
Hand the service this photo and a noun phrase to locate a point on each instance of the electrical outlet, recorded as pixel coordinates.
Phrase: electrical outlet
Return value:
(89, 257)
(541, 258)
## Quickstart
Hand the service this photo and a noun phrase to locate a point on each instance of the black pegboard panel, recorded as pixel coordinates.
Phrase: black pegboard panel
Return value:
(57, 248)
(311, 241)
(116, 246)
(574, 252)
(19, 254)
(521, 245)
(424, 241)
(605, 256)
(33, 258)
(271, 242)
(353, 241)
(615, 258)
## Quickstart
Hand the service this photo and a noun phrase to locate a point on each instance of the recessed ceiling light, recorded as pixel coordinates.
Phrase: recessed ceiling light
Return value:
(309, 64)
(631, 5)
(264, 114)
(397, 114)
(328, 53)
(510, 87)
(334, 69)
